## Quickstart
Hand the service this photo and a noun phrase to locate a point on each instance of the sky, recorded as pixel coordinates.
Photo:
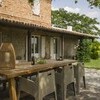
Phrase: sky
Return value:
(81, 7)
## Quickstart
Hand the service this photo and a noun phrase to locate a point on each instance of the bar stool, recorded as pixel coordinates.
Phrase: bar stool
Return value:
(41, 86)
(64, 77)
(79, 73)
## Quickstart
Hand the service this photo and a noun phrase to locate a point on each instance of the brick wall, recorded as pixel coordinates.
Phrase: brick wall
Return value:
(21, 10)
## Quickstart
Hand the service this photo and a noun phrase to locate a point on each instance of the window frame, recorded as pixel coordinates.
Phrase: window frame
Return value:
(35, 45)
(36, 7)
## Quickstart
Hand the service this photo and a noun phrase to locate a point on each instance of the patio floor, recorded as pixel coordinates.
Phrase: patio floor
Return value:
(91, 93)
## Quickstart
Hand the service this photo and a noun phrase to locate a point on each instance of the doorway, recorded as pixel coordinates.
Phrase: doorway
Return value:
(35, 46)
(55, 47)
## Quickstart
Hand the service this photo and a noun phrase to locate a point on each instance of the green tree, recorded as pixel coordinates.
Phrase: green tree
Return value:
(95, 3)
(95, 50)
(83, 53)
(92, 3)
(81, 23)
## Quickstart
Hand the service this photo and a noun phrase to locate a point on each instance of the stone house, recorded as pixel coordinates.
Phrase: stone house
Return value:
(28, 27)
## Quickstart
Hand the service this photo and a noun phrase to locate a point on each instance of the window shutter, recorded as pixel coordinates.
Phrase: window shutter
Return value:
(36, 7)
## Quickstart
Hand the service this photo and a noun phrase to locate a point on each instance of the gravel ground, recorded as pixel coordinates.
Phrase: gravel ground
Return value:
(92, 92)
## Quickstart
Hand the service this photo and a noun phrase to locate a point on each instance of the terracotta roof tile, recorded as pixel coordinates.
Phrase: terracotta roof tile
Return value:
(4, 21)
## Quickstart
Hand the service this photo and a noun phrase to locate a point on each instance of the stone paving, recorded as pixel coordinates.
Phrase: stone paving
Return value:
(92, 92)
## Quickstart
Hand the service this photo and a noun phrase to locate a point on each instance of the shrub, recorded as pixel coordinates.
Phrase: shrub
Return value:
(94, 55)
(83, 51)
(95, 49)
(41, 61)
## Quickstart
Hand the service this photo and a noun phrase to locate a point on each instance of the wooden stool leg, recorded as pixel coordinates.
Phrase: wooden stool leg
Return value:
(65, 92)
(55, 90)
(55, 96)
(84, 82)
(74, 89)
(77, 80)
(4, 85)
(12, 89)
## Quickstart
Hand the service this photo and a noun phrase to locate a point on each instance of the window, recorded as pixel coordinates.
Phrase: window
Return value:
(55, 47)
(36, 7)
(35, 44)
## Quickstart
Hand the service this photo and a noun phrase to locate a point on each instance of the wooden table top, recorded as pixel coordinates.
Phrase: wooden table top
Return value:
(26, 68)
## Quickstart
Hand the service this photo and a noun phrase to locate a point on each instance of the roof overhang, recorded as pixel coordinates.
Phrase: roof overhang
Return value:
(7, 22)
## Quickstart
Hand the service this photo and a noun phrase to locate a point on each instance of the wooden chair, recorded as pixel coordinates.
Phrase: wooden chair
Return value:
(64, 77)
(41, 86)
(79, 73)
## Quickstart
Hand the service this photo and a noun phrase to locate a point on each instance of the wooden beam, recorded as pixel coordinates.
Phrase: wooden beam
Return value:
(29, 45)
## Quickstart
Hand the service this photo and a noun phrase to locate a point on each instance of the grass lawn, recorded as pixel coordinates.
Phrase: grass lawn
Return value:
(93, 64)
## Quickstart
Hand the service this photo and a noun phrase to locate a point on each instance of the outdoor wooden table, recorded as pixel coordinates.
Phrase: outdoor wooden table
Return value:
(26, 68)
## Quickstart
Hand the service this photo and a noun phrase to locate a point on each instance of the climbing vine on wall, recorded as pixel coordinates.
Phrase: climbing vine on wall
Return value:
(83, 50)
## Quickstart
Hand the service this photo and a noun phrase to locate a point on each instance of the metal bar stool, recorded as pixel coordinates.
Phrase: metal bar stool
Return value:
(3, 82)
(64, 77)
(41, 86)
(79, 73)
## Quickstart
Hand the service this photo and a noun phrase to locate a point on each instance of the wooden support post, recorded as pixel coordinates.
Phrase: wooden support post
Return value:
(12, 89)
(63, 46)
(29, 45)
